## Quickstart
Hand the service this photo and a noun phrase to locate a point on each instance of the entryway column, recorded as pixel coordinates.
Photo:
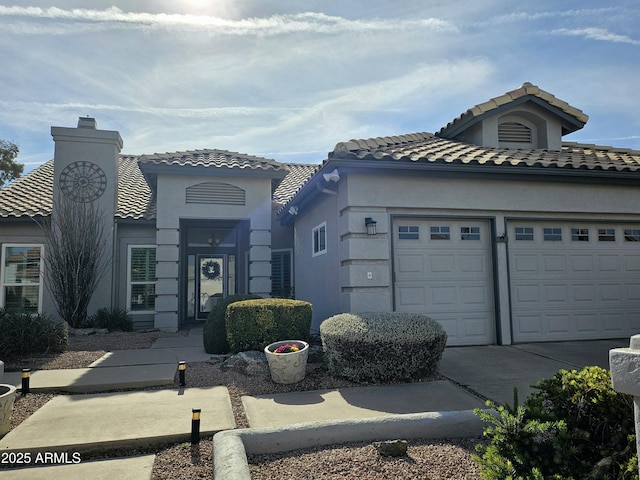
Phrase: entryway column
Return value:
(260, 254)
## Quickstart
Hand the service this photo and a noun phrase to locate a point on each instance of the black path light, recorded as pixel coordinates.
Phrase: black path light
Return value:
(182, 366)
(26, 376)
(195, 425)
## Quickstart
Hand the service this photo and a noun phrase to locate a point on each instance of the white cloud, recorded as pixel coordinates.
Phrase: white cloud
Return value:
(309, 22)
(597, 34)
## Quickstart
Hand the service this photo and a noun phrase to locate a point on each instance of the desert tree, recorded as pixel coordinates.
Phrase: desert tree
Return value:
(75, 257)
(9, 168)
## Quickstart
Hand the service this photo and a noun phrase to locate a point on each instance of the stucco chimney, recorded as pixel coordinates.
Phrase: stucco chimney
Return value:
(87, 122)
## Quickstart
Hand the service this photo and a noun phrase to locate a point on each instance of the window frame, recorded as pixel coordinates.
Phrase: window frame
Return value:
(440, 232)
(524, 234)
(321, 229)
(412, 232)
(3, 283)
(130, 283)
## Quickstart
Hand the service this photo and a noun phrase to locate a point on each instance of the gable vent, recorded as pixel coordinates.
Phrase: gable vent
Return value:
(215, 193)
(514, 132)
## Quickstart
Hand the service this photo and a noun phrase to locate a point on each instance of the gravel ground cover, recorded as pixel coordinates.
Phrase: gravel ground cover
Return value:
(426, 459)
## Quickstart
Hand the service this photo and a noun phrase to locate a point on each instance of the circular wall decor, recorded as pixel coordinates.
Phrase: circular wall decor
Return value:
(83, 181)
(211, 270)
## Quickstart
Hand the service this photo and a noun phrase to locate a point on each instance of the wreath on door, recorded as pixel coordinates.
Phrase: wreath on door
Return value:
(211, 270)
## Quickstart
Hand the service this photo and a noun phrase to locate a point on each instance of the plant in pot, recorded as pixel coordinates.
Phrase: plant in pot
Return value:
(287, 360)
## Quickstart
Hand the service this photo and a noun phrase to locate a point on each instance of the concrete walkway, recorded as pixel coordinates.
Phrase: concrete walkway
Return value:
(83, 423)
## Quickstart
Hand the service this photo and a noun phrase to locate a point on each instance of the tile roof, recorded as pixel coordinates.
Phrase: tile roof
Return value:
(29, 196)
(32, 194)
(298, 174)
(213, 158)
(428, 148)
(519, 94)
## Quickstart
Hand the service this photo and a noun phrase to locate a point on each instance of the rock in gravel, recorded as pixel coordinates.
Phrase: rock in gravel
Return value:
(392, 448)
(250, 363)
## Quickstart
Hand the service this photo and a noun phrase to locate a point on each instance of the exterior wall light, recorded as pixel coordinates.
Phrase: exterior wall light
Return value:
(370, 223)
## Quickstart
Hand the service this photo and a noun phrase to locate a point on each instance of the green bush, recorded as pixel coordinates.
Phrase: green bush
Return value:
(382, 346)
(574, 427)
(254, 324)
(112, 319)
(215, 330)
(25, 334)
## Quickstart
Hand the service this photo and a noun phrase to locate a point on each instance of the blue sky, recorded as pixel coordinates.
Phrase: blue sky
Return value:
(289, 79)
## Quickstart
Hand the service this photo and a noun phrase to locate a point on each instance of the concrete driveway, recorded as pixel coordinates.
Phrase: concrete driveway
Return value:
(492, 371)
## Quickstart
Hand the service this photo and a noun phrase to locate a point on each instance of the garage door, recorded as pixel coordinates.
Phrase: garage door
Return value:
(574, 281)
(442, 268)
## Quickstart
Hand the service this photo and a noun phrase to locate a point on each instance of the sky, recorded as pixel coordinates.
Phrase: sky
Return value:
(288, 80)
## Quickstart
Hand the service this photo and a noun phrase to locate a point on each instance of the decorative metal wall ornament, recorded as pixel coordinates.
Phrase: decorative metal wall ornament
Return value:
(211, 270)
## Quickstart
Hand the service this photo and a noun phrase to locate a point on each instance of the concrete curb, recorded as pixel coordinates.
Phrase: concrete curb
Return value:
(230, 447)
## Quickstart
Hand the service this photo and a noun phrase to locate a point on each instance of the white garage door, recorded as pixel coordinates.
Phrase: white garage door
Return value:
(442, 268)
(574, 281)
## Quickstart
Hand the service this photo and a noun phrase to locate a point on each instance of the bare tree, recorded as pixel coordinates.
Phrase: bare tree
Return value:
(75, 258)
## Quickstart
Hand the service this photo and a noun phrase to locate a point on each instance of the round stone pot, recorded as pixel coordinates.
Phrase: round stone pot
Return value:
(289, 367)
(7, 396)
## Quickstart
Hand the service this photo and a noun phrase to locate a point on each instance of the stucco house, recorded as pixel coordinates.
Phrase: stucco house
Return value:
(492, 225)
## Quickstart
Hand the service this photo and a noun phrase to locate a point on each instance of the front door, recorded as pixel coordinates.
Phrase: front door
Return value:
(211, 267)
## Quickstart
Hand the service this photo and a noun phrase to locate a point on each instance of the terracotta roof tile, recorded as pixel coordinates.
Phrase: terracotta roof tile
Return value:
(213, 158)
(298, 174)
(524, 90)
(29, 196)
(428, 148)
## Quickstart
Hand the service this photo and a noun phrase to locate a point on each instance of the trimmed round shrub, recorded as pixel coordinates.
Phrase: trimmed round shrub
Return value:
(215, 330)
(382, 347)
(254, 324)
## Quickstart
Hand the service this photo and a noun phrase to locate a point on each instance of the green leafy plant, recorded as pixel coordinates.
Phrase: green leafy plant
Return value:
(25, 334)
(575, 426)
(115, 319)
(215, 329)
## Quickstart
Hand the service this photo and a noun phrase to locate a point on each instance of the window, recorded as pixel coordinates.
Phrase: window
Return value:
(281, 284)
(22, 278)
(579, 234)
(470, 233)
(440, 233)
(408, 232)
(607, 234)
(631, 235)
(524, 233)
(142, 278)
(552, 234)
(319, 236)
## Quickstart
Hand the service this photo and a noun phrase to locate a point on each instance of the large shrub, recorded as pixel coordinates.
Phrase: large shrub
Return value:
(576, 426)
(115, 319)
(254, 324)
(215, 330)
(382, 346)
(24, 334)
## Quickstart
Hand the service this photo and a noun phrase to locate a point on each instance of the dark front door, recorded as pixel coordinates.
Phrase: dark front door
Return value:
(211, 260)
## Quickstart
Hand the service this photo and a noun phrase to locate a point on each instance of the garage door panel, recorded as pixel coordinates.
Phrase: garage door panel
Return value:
(573, 288)
(456, 280)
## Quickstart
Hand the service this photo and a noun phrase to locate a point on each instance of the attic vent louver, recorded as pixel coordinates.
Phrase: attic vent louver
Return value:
(514, 132)
(215, 193)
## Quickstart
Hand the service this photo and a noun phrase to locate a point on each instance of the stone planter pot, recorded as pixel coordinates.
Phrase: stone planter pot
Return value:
(7, 397)
(289, 367)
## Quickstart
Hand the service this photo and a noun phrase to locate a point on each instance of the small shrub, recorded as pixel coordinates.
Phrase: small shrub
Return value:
(215, 330)
(382, 346)
(25, 334)
(574, 426)
(254, 324)
(114, 319)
